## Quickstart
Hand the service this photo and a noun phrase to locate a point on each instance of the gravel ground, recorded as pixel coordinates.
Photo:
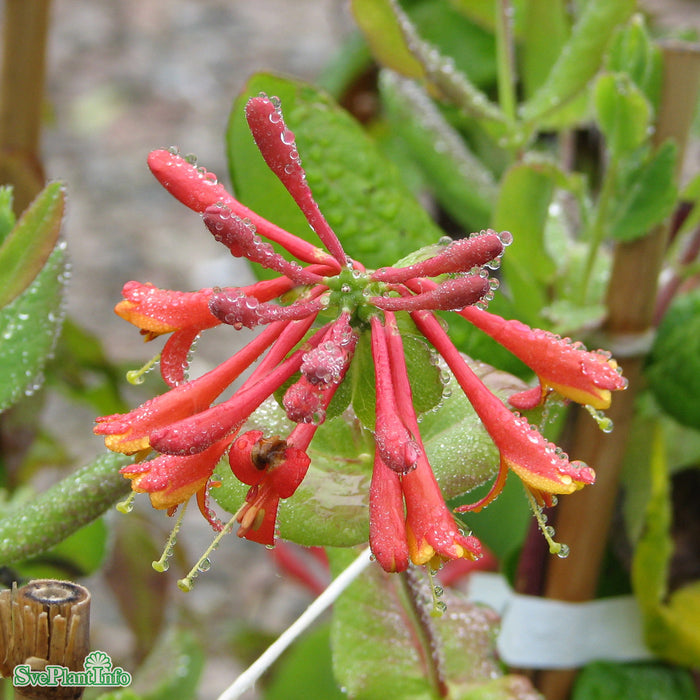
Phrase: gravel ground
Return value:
(124, 78)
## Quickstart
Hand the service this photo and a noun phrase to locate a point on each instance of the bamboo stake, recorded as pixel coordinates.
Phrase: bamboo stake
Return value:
(583, 519)
(45, 622)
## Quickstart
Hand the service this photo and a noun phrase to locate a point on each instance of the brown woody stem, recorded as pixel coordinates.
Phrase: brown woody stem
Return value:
(583, 519)
(22, 97)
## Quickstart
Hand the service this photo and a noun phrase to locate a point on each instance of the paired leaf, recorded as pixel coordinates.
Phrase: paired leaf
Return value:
(26, 249)
(623, 112)
(646, 194)
(360, 193)
(387, 644)
(29, 328)
(580, 58)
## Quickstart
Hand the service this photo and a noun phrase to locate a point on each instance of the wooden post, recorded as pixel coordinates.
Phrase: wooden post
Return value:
(583, 519)
(45, 622)
(22, 97)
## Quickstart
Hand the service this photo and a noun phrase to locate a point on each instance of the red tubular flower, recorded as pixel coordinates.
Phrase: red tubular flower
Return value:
(240, 237)
(278, 148)
(274, 468)
(240, 310)
(394, 442)
(171, 480)
(431, 531)
(199, 431)
(198, 190)
(130, 432)
(542, 468)
(458, 256)
(453, 294)
(566, 367)
(387, 533)
(316, 311)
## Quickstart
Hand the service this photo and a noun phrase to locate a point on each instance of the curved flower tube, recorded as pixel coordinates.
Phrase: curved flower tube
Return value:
(314, 313)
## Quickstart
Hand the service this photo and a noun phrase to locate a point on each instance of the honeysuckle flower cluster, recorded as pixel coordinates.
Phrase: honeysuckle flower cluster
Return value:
(311, 316)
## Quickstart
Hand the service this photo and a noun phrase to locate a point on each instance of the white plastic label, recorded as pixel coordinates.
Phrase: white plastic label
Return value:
(542, 633)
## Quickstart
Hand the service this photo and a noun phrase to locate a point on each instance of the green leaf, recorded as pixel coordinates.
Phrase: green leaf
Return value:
(172, 670)
(603, 680)
(646, 195)
(7, 216)
(330, 508)
(27, 247)
(634, 52)
(386, 643)
(457, 178)
(80, 554)
(623, 112)
(546, 29)
(29, 327)
(673, 369)
(360, 193)
(580, 58)
(522, 208)
(62, 509)
(305, 671)
(671, 622)
(396, 44)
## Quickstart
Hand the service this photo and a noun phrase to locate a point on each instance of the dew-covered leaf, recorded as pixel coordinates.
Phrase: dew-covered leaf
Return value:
(458, 179)
(27, 247)
(29, 328)
(396, 43)
(673, 369)
(580, 57)
(359, 191)
(386, 643)
(53, 515)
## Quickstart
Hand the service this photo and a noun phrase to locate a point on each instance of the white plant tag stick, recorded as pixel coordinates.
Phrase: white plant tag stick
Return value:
(247, 679)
